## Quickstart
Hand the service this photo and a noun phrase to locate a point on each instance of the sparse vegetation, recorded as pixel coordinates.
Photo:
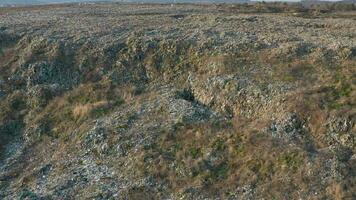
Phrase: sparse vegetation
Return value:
(249, 101)
(291, 160)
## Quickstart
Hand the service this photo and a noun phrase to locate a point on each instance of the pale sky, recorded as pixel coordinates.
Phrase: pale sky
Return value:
(291, 0)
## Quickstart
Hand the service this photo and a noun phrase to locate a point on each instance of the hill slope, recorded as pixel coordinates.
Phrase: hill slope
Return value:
(186, 102)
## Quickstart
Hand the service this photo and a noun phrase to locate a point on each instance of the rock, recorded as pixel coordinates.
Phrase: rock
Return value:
(39, 95)
(293, 130)
(340, 131)
(290, 127)
(51, 73)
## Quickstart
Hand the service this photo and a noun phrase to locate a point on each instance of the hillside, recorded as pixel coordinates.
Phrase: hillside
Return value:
(34, 2)
(116, 101)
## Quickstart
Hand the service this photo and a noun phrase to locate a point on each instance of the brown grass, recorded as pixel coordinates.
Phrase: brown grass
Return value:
(83, 110)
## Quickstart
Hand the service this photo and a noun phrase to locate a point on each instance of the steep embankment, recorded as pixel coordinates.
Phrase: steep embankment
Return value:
(134, 102)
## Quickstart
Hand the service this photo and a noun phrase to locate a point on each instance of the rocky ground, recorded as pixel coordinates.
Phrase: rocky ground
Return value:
(113, 101)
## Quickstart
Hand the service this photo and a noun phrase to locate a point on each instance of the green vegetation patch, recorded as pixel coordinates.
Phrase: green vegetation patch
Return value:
(291, 160)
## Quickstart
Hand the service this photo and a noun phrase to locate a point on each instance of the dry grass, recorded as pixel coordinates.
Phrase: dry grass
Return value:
(74, 108)
(83, 110)
(217, 156)
(220, 156)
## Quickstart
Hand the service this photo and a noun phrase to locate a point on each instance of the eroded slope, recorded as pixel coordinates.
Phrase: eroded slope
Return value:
(132, 102)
